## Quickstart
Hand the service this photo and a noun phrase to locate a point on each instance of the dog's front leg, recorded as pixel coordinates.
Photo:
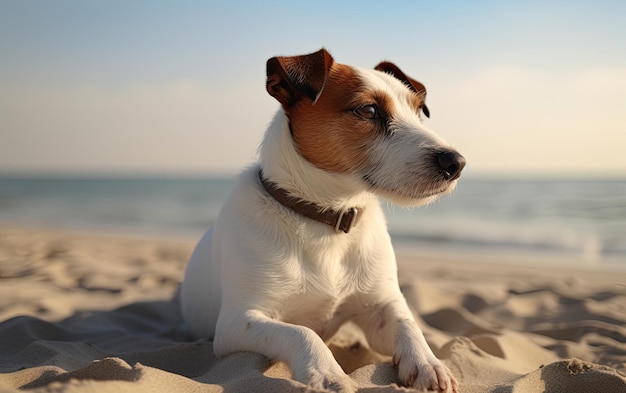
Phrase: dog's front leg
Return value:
(310, 360)
(390, 329)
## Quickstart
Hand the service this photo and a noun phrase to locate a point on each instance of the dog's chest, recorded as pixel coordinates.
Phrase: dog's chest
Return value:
(314, 310)
(326, 285)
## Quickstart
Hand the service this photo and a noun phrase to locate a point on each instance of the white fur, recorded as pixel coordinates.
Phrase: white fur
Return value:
(265, 279)
(401, 172)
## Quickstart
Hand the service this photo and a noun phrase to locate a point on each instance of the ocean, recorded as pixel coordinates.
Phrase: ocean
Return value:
(583, 220)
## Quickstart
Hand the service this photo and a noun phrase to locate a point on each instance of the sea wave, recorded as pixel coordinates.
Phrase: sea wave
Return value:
(588, 247)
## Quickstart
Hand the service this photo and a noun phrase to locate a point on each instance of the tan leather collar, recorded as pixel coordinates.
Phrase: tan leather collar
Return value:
(341, 221)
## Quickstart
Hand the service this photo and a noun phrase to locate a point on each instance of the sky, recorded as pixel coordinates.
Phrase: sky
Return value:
(178, 87)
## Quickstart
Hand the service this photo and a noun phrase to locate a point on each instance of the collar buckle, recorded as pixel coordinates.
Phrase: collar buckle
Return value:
(351, 215)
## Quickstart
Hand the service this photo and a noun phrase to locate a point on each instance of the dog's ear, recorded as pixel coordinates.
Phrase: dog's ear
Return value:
(411, 83)
(292, 78)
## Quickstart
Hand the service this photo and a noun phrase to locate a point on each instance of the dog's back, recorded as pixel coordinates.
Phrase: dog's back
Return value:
(201, 292)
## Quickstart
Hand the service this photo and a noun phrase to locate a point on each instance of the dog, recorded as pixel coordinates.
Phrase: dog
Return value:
(301, 245)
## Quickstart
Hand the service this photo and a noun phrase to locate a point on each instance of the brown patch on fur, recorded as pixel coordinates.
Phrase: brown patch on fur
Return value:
(328, 133)
(417, 87)
(292, 78)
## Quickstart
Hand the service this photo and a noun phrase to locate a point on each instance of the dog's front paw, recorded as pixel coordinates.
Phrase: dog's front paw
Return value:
(330, 380)
(428, 374)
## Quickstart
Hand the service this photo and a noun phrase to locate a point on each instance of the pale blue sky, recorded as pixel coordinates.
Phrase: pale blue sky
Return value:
(178, 86)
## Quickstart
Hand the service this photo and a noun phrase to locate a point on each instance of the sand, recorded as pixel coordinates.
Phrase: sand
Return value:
(94, 312)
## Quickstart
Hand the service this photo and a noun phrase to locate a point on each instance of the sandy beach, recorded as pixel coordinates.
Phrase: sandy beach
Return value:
(83, 312)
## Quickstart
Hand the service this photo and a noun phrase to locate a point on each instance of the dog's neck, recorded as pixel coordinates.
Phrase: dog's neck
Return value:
(284, 166)
(339, 220)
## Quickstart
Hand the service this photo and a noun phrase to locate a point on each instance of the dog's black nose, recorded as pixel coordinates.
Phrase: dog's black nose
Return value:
(452, 164)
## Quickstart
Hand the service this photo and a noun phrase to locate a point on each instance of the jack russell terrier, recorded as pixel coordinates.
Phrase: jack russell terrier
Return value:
(301, 245)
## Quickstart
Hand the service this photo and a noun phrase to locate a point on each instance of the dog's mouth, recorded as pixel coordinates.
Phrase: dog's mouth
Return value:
(420, 191)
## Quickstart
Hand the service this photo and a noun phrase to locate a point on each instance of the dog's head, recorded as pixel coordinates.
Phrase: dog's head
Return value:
(364, 123)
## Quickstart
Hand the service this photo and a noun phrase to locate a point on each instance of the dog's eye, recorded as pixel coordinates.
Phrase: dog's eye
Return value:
(367, 112)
